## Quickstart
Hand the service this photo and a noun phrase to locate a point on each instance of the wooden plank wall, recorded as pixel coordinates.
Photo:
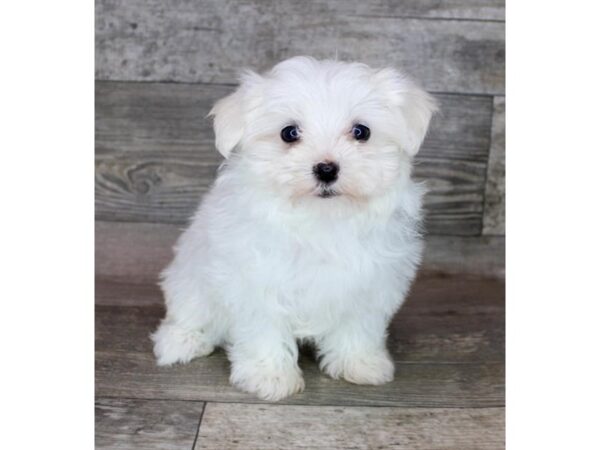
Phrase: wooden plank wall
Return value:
(160, 65)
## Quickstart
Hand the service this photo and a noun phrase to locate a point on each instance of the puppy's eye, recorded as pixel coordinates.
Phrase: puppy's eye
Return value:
(291, 133)
(361, 132)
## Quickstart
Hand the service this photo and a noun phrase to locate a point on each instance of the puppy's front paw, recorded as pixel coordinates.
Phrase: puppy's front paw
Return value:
(272, 385)
(374, 368)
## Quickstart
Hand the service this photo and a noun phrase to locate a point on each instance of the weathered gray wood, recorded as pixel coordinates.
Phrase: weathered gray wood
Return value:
(109, 292)
(133, 252)
(138, 252)
(132, 374)
(448, 344)
(443, 292)
(155, 155)
(146, 424)
(447, 319)
(263, 427)
(483, 255)
(495, 192)
(445, 56)
(430, 9)
(187, 41)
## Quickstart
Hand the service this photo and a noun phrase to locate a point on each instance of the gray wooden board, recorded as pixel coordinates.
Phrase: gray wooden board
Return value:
(186, 41)
(440, 291)
(448, 344)
(484, 255)
(132, 374)
(155, 155)
(249, 427)
(137, 252)
(447, 319)
(146, 424)
(133, 252)
(109, 292)
(495, 192)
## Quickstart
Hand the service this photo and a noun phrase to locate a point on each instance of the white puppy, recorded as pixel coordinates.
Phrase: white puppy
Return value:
(310, 232)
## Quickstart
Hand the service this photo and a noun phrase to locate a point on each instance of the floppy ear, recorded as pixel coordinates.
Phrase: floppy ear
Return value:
(228, 122)
(413, 108)
(229, 114)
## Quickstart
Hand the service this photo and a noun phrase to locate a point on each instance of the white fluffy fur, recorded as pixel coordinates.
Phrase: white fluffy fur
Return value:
(267, 262)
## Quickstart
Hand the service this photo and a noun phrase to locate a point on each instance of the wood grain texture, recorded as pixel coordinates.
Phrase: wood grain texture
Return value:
(133, 252)
(138, 252)
(146, 424)
(483, 255)
(460, 385)
(155, 155)
(495, 192)
(440, 291)
(208, 42)
(445, 319)
(227, 426)
(448, 344)
(109, 292)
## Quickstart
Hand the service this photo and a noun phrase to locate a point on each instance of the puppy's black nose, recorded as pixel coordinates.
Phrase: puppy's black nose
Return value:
(326, 172)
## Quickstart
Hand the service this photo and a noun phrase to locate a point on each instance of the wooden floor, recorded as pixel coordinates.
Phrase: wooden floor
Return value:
(448, 393)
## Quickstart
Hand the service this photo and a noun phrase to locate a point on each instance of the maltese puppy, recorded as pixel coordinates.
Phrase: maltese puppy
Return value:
(311, 231)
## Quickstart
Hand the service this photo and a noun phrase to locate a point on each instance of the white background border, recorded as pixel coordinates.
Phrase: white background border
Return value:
(553, 225)
(47, 213)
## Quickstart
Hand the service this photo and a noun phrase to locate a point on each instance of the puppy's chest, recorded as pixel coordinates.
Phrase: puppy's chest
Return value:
(328, 265)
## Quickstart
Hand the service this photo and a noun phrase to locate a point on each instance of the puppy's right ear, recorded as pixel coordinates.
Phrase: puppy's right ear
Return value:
(413, 108)
(230, 114)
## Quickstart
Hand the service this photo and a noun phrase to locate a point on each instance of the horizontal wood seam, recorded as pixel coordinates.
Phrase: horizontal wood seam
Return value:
(432, 19)
(250, 402)
(184, 224)
(201, 83)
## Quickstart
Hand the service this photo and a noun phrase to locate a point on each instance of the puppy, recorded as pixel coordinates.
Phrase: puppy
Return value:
(310, 232)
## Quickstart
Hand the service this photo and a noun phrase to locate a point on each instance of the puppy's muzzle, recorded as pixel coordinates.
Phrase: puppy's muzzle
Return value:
(326, 172)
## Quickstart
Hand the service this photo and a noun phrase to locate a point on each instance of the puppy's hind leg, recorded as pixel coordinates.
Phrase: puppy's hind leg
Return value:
(176, 343)
(190, 329)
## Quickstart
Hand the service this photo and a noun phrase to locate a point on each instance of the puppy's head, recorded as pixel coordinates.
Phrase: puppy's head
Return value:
(323, 130)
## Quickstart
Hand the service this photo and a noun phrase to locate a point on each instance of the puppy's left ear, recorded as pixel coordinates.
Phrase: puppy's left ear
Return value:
(229, 113)
(412, 107)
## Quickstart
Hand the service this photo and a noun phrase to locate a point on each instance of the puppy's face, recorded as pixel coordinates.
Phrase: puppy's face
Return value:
(324, 129)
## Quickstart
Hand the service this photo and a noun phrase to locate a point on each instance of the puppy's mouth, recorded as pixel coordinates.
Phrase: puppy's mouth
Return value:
(326, 192)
